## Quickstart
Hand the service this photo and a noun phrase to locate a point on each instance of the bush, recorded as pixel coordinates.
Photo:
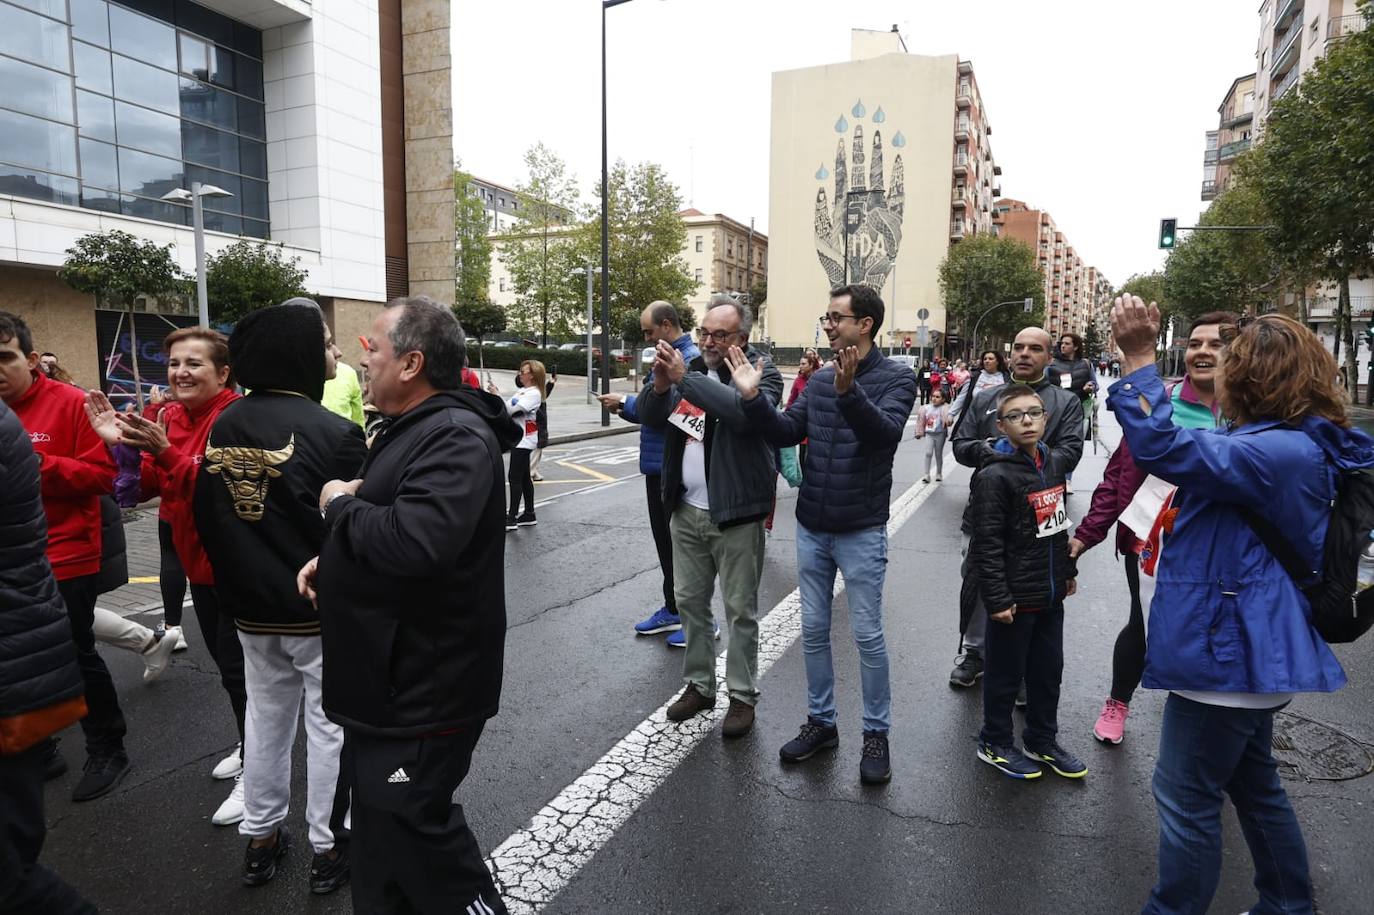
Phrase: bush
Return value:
(567, 362)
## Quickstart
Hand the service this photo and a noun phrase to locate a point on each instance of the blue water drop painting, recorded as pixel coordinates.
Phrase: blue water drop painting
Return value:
(879, 116)
(858, 110)
(822, 173)
(841, 125)
(899, 140)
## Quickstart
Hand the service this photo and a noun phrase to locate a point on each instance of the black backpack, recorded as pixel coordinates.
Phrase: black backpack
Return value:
(1340, 612)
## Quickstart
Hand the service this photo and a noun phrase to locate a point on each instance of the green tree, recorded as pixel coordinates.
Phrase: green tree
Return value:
(248, 275)
(1223, 270)
(117, 268)
(472, 266)
(1093, 343)
(1150, 288)
(983, 271)
(647, 236)
(1315, 172)
(480, 319)
(532, 250)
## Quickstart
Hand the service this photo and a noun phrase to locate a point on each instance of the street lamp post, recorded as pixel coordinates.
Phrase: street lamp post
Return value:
(193, 196)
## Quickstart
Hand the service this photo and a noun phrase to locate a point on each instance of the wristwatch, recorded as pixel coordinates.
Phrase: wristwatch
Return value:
(324, 512)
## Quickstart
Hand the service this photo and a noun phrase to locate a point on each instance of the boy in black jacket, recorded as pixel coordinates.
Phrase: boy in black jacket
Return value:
(1020, 554)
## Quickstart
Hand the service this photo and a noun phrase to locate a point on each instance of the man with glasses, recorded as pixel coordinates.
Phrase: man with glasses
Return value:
(973, 437)
(854, 411)
(718, 484)
(659, 323)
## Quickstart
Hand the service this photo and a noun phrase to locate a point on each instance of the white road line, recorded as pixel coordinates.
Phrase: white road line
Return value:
(536, 862)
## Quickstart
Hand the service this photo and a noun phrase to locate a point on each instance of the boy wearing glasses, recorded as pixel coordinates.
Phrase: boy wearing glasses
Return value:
(1019, 556)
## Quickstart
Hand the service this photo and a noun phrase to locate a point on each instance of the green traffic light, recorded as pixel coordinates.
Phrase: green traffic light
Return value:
(1167, 231)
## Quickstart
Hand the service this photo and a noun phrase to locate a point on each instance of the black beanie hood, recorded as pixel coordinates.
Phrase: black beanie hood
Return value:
(280, 348)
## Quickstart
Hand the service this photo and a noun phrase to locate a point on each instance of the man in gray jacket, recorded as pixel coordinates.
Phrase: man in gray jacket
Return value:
(972, 439)
(718, 486)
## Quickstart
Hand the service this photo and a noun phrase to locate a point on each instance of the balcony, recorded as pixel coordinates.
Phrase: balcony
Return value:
(1233, 149)
(1209, 190)
(960, 198)
(1287, 11)
(1289, 82)
(956, 229)
(997, 191)
(1324, 307)
(964, 97)
(1345, 26)
(961, 129)
(1209, 157)
(965, 67)
(961, 163)
(1287, 49)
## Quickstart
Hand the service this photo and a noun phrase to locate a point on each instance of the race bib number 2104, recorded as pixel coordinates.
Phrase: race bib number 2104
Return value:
(1051, 515)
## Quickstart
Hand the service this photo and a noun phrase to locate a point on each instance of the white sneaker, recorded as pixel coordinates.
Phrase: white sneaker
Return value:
(230, 766)
(231, 811)
(181, 639)
(158, 655)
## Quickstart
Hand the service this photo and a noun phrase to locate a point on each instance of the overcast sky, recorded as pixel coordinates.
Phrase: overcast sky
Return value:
(1098, 108)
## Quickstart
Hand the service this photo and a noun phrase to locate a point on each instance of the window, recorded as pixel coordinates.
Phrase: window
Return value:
(91, 22)
(95, 116)
(35, 90)
(92, 68)
(501, 201)
(699, 250)
(697, 273)
(37, 143)
(32, 37)
(54, 8)
(729, 247)
(147, 130)
(199, 102)
(1313, 29)
(24, 182)
(502, 284)
(145, 85)
(147, 39)
(149, 175)
(207, 146)
(99, 164)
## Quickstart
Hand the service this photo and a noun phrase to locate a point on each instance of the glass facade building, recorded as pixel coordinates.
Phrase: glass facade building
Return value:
(110, 105)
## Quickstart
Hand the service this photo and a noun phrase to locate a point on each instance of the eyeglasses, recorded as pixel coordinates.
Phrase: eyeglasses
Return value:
(1229, 332)
(715, 336)
(835, 317)
(1035, 414)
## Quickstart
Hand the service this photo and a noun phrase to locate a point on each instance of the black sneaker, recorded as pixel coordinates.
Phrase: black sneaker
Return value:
(54, 766)
(875, 768)
(510, 522)
(526, 520)
(1021, 697)
(1059, 759)
(328, 874)
(968, 667)
(260, 864)
(810, 740)
(103, 773)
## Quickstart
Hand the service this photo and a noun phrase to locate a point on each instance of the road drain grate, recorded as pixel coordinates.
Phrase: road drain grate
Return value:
(1308, 750)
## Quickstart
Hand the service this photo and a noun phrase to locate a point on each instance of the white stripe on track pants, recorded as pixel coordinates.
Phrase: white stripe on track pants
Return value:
(279, 670)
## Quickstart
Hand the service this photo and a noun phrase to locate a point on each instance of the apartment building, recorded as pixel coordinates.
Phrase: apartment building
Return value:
(1294, 35)
(1232, 137)
(328, 125)
(724, 255)
(878, 165)
(1075, 292)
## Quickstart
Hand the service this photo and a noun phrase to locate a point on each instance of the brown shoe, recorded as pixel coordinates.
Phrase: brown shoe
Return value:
(739, 720)
(690, 703)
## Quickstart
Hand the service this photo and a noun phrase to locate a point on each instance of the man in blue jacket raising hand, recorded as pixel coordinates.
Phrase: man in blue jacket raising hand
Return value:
(854, 412)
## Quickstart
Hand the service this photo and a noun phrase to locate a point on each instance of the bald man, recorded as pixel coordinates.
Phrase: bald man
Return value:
(972, 439)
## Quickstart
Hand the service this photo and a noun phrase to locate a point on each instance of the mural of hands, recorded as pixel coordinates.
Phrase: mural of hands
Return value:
(864, 212)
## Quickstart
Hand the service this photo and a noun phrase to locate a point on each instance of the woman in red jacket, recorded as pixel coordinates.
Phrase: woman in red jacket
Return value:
(173, 448)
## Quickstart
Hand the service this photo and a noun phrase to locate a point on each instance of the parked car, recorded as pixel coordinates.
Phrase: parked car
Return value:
(573, 347)
(621, 355)
(646, 356)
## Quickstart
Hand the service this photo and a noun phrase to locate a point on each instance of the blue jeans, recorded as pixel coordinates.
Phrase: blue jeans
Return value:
(861, 557)
(1205, 751)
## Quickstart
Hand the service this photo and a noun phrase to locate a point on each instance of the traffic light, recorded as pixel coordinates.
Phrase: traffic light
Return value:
(1167, 232)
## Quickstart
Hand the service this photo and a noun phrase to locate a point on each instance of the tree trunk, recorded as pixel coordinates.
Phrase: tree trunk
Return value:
(133, 359)
(1302, 304)
(1351, 363)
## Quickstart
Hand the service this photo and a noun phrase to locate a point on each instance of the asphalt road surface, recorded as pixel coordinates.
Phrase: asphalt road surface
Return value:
(706, 826)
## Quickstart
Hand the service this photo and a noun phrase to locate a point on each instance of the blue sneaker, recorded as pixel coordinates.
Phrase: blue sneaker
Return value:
(662, 620)
(1009, 761)
(679, 639)
(1060, 760)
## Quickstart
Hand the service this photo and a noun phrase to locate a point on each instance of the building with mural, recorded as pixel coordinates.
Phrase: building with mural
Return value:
(878, 165)
(330, 125)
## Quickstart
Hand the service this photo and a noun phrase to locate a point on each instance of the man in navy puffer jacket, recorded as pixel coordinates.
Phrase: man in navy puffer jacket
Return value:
(659, 321)
(854, 411)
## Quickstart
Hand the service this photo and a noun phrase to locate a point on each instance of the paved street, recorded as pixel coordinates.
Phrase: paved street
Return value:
(721, 827)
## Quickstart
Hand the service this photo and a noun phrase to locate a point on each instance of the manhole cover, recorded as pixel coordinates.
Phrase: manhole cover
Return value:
(1312, 751)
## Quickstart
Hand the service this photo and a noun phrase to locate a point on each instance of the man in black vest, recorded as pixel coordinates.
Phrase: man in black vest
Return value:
(411, 589)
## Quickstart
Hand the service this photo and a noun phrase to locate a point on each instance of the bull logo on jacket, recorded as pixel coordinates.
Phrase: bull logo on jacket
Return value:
(247, 472)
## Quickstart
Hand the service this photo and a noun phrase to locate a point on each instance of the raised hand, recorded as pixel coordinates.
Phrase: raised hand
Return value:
(1135, 326)
(102, 416)
(864, 214)
(669, 360)
(746, 375)
(846, 365)
(141, 433)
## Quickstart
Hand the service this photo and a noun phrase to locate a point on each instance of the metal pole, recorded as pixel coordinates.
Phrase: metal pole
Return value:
(605, 239)
(590, 270)
(198, 225)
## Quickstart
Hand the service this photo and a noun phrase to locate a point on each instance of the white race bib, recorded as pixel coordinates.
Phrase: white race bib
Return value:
(690, 418)
(1066, 380)
(1051, 515)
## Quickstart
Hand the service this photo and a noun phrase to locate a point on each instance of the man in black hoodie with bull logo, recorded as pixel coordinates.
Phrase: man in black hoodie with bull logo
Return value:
(411, 589)
(267, 457)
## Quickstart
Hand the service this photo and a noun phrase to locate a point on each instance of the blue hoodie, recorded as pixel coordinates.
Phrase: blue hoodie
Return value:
(651, 440)
(1226, 617)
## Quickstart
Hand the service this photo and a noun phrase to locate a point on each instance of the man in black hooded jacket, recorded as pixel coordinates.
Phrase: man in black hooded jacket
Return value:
(267, 457)
(411, 589)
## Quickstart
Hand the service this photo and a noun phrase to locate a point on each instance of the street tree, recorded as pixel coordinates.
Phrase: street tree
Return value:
(532, 251)
(117, 268)
(1219, 269)
(647, 236)
(1315, 172)
(473, 254)
(248, 275)
(480, 319)
(986, 270)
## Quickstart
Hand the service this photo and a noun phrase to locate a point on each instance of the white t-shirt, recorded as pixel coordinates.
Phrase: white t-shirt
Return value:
(694, 475)
(523, 407)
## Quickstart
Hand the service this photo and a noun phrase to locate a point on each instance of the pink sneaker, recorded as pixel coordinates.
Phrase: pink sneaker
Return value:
(1111, 724)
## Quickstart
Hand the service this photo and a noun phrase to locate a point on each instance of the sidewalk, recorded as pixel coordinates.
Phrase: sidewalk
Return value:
(571, 418)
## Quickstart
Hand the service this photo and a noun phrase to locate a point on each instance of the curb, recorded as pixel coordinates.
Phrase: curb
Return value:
(584, 436)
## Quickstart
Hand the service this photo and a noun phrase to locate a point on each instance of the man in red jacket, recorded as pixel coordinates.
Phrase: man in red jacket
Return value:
(75, 469)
